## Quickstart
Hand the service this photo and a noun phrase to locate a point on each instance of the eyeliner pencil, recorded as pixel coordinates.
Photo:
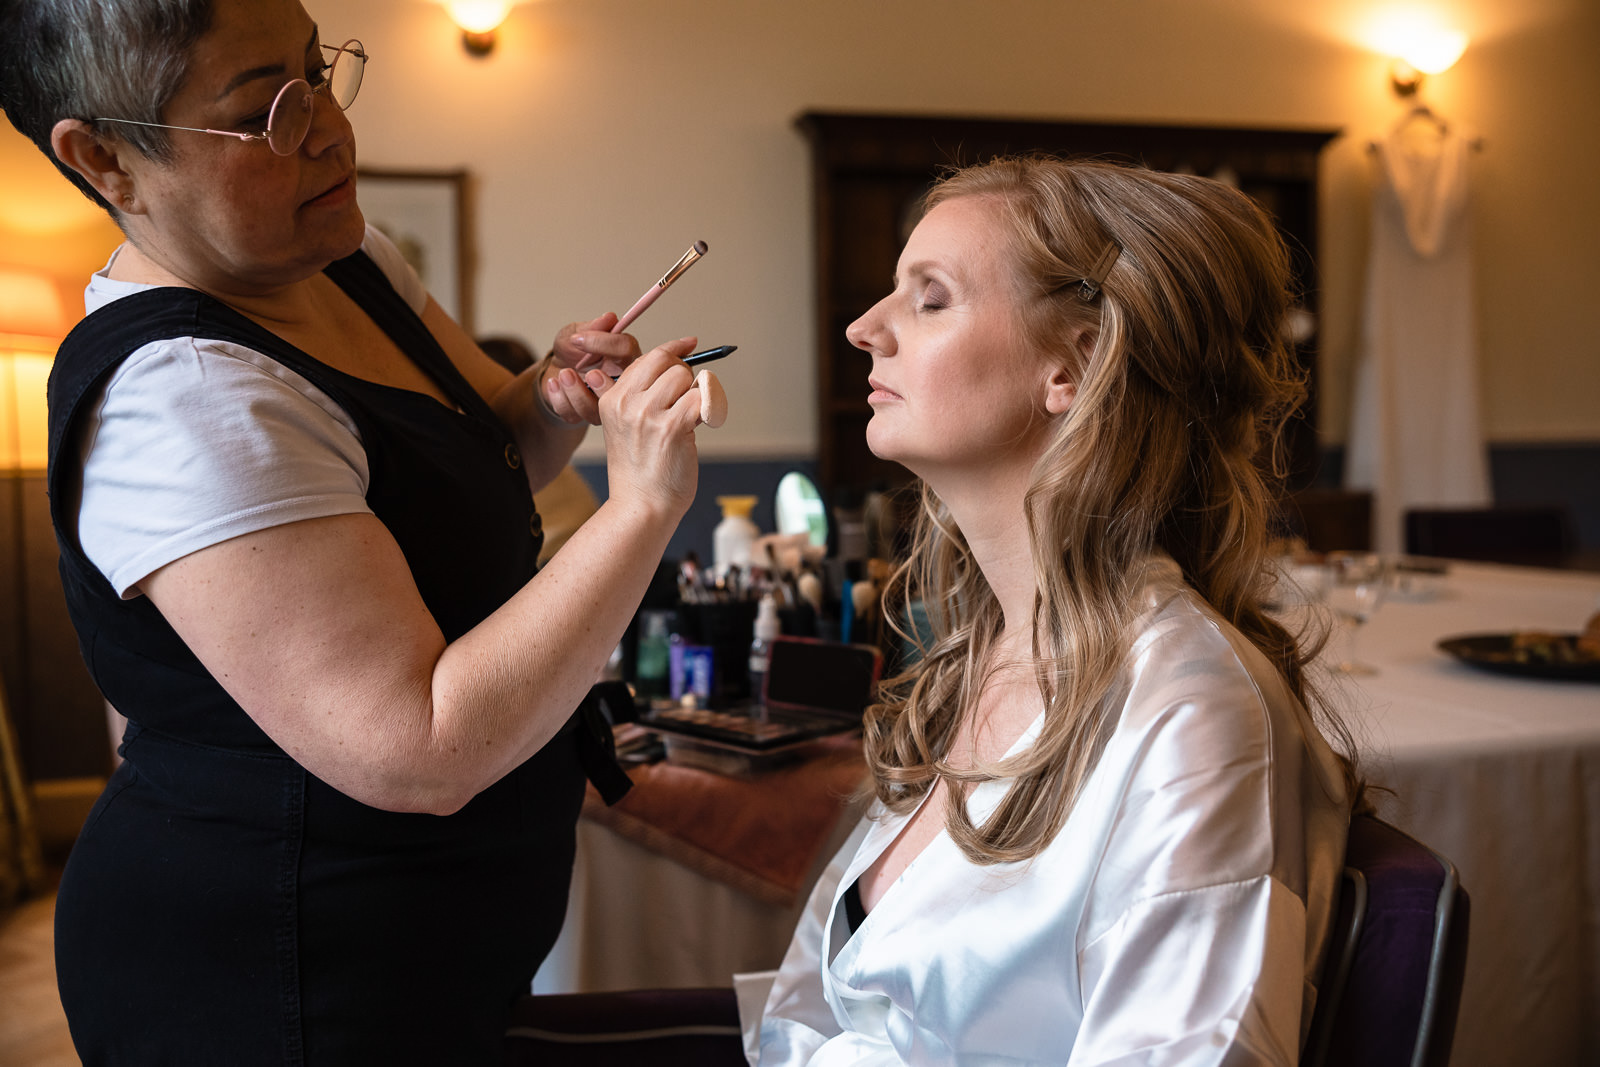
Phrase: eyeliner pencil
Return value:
(705, 357)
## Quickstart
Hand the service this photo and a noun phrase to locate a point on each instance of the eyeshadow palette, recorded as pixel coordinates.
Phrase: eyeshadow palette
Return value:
(814, 689)
(741, 727)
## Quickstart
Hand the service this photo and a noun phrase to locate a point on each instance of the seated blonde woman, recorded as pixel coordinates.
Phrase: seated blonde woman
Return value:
(1106, 827)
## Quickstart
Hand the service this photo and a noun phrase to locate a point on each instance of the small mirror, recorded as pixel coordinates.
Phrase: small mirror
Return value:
(797, 507)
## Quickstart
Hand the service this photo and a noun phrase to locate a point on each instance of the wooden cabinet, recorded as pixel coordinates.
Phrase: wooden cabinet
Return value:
(59, 715)
(868, 172)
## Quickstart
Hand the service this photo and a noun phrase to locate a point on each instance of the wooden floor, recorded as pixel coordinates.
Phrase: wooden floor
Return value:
(33, 1031)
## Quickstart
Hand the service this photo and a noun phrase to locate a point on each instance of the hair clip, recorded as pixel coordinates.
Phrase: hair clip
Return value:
(1089, 288)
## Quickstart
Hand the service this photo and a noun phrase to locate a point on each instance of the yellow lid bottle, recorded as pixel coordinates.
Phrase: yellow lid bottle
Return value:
(735, 536)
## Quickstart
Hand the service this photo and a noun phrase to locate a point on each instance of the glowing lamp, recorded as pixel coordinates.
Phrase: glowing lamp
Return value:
(1420, 45)
(479, 21)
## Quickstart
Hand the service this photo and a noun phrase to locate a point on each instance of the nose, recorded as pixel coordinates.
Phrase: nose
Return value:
(330, 127)
(869, 333)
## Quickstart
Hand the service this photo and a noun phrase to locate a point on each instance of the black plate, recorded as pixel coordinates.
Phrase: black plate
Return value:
(1493, 652)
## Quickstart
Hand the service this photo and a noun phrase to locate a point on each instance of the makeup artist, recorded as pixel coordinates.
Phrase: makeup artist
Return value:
(294, 505)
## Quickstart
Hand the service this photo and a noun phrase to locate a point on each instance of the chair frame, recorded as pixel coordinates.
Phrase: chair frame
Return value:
(1446, 961)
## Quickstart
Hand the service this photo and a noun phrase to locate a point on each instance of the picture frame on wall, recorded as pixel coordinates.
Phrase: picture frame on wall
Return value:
(424, 213)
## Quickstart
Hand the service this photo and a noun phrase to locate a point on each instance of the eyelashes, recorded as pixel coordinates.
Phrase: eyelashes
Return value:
(934, 298)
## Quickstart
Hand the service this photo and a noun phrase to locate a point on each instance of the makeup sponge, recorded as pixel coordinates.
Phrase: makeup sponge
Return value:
(713, 401)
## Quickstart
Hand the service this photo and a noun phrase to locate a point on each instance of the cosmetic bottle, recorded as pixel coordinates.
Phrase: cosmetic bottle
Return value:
(735, 535)
(766, 628)
(654, 651)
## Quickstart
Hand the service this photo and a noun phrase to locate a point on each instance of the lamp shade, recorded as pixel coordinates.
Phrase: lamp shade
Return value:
(478, 16)
(32, 321)
(23, 427)
(1436, 52)
(1419, 38)
(30, 303)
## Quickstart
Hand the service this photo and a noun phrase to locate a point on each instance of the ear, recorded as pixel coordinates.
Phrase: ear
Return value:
(84, 150)
(1060, 391)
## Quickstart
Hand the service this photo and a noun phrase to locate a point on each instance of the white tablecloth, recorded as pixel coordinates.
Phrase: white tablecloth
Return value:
(638, 920)
(1502, 775)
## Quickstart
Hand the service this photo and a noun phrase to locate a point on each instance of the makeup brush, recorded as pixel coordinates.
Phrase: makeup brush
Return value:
(687, 260)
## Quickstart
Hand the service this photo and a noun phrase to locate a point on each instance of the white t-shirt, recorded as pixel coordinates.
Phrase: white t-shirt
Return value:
(191, 442)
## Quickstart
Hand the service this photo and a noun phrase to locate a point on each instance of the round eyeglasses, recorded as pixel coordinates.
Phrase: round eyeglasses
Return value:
(289, 119)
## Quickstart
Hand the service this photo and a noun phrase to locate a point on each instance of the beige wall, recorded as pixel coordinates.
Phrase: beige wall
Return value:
(605, 135)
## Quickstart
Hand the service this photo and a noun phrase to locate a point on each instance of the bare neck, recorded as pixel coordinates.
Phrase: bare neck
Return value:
(275, 305)
(991, 516)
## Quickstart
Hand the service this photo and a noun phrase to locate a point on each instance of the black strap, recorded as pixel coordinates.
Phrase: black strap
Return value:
(364, 282)
(597, 747)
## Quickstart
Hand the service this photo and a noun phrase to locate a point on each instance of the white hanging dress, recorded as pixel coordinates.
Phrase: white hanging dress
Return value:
(1416, 436)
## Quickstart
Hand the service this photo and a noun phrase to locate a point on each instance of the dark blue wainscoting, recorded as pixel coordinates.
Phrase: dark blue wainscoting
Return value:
(1525, 475)
(1533, 475)
(757, 478)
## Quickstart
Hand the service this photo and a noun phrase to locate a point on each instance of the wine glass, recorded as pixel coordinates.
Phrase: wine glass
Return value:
(1357, 584)
(1295, 585)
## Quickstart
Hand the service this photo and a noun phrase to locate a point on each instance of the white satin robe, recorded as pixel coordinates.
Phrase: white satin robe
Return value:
(1179, 917)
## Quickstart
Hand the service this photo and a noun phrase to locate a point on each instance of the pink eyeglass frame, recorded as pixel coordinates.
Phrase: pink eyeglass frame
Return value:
(284, 102)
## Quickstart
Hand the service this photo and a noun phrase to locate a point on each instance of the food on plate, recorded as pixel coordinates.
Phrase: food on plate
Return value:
(1589, 641)
(1542, 646)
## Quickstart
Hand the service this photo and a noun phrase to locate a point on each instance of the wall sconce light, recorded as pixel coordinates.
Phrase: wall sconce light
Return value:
(1421, 48)
(479, 21)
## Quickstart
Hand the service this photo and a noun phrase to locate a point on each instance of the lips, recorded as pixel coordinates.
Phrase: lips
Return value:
(345, 186)
(880, 392)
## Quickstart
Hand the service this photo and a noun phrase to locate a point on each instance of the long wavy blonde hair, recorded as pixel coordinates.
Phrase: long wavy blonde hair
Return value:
(1172, 443)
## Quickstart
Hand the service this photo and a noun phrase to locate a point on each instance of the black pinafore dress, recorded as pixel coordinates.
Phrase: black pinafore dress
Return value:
(224, 906)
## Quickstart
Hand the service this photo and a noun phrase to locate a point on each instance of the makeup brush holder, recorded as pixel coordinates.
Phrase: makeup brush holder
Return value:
(727, 627)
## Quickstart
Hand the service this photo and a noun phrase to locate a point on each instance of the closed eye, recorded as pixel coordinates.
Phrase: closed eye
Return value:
(934, 298)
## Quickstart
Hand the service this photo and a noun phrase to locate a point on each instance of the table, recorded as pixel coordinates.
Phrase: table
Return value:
(1502, 775)
(695, 877)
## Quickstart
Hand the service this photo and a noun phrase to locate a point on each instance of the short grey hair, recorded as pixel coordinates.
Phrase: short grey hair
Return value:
(89, 59)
